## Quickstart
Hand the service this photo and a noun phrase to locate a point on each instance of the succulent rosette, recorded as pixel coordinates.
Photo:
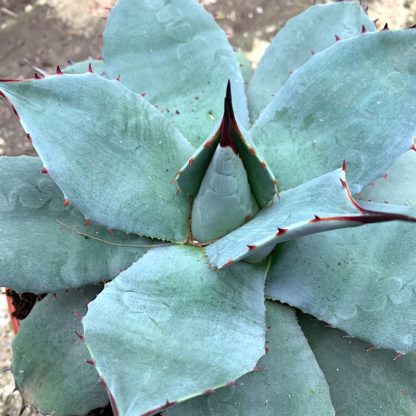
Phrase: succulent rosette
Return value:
(198, 195)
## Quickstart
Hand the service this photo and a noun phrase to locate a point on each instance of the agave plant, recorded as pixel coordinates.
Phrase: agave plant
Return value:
(149, 178)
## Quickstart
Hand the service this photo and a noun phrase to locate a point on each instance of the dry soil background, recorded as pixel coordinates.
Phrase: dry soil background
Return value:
(46, 33)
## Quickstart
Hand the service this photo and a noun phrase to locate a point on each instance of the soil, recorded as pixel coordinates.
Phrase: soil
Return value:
(47, 33)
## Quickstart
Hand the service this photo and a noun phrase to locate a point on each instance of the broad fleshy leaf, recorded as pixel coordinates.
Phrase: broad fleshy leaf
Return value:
(194, 329)
(302, 36)
(362, 382)
(359, 280)
(229, 133)
(354, 101)
(112, 154)
(291, 384)
(177, 55)
(49, 357)
(322, 204)
(45, 245)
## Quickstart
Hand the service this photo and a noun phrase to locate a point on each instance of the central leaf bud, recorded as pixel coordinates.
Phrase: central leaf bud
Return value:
(228, 179)
(224, 200)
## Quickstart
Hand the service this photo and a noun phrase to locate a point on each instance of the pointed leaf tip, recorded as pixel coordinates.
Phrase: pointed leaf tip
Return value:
(228, 124)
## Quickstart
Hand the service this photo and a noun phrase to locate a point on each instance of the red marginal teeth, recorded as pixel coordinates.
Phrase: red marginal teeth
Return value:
(316, 219)
(280, 231)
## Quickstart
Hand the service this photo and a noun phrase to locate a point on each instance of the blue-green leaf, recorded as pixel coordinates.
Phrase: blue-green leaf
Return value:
(46, 246)
(362, 382)
(355, 101)
(291, 383)
(224, 200)
(360, 280)
(49, 357)
(112, 154)
(322, 204)
(193, 329)
(309, 32)
(177, 55)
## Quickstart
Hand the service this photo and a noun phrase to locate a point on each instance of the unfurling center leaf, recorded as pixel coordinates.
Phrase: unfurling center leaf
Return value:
(222, 176)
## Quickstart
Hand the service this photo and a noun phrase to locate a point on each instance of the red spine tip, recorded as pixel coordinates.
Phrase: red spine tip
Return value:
(316, 219)
(87, 222)
(413, 147)
(190, 162)
(252, 150)
(208, 391)
(263, 165)
(337, 38)
(208, 143)
(90, 70)
(313, 52)
(363, 29)
(229, 263)
(81, 337)
(44, 170)
(118, 77)
(280, 231)
(231, 383)
(251, 247)
(344, 165)
(66, 202)
(372, 348)
(385, 27)
(398, 356)
(90, 362)
(258, 369)
(36, 76)
(58, 70)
